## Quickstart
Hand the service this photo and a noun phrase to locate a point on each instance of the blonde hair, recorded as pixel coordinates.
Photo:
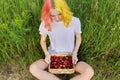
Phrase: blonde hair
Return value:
(65, 11)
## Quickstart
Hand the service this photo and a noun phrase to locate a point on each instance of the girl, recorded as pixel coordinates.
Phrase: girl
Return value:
(64, 31)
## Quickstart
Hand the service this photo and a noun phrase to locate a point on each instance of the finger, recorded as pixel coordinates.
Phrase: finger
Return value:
(75, 61)
(47, 61)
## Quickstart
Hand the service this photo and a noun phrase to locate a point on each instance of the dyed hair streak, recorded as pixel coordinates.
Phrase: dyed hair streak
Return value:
(61, 6)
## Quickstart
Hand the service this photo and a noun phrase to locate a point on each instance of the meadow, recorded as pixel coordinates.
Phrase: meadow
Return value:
(19, 37)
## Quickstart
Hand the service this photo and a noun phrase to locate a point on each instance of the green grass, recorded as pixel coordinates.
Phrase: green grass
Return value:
(19, 37)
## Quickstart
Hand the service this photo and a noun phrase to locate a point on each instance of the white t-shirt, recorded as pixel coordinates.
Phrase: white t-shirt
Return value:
(62, 38)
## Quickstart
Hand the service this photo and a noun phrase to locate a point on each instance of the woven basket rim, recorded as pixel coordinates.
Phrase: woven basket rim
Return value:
(62, 71)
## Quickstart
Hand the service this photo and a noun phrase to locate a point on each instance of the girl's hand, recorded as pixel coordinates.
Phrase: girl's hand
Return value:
(74, 58)
(47, 58)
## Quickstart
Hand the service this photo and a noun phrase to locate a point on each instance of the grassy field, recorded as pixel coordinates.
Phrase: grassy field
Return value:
(19, 37)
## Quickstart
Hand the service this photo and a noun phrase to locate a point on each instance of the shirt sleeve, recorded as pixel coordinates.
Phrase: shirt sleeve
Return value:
(78, 26)
(42, 29)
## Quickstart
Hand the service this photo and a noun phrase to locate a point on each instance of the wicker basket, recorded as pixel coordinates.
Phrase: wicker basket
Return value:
(61, 64)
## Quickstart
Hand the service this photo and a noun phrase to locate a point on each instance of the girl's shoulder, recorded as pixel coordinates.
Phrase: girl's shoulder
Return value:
(75, 19)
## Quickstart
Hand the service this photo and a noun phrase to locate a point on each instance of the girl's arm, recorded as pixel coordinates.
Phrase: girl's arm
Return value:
(77, 45)
(44, 47)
